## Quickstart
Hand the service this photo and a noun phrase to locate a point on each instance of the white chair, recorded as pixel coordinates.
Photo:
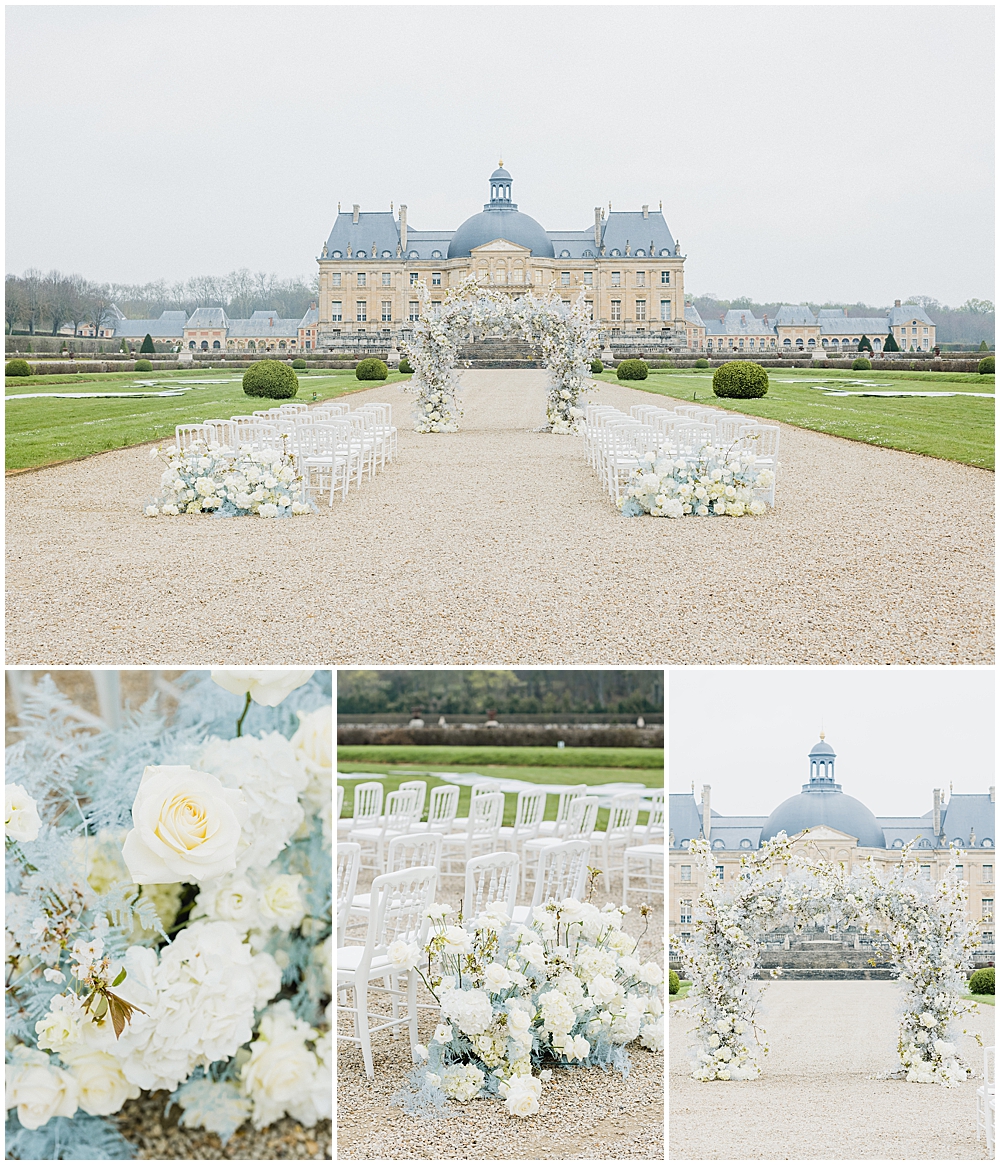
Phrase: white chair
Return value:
(563, 874)
(652, 829)
(579, 826)
(530, 810)
(489, 878)
(421, 789)
(649, 857)
(187, 436)
(442, 810)
(622, 817)
(348, 862)
(400, 811)
(478, 789)
(405, 852)
(566, 798)
(762, 442)
(343, 823)
(222, 433)
(340, 800)
(485, 819)
(986, 1100)
(399, 912)
(367, 804)
(326, 452)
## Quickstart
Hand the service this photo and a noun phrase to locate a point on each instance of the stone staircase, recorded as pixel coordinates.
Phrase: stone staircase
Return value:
(823, 958)
(497, 352)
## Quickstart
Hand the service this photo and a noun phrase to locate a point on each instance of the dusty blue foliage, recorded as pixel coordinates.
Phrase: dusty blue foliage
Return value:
(82, 1138)
(422, 1099)
(215, 710)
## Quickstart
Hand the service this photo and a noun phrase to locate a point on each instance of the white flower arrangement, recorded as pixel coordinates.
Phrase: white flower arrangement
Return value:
(213, 479)
(516, 997)
(715, 483)
(923, 928)
(566, 335)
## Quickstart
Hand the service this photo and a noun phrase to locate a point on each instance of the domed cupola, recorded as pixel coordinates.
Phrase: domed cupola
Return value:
(500, 219)
(822, 802)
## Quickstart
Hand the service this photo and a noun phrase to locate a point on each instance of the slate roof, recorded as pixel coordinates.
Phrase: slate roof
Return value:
(693, 316)
(738, 321)
(685, 819)
(264, 325)
(624, 228)
(841, 325)
(966, 811)
(580, 244)
(208, 317)
(170, 326)
(907, 313)
(790, 314)
(373, 226)
(311, 317)
(423, 244)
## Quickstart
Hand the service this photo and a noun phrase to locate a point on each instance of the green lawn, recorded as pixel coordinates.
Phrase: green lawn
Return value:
(682, 991)
(455, 756)
(542, 774)
(958, 428)
(990, 999)
(43, 432)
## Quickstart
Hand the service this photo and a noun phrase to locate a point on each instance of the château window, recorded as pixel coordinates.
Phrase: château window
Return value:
(987, 910)
(335, 277)
(362, 278)
(685, 911)
(685, 873)
(387, 279)
(435, 278)
(386, 311)
(414, 278)
(564, 278)
(588, 279)
(664, 309)
(436, 304)
(720, 873)
(988, 874)
(664, 276)
(640, 309)
(616, 279)
(336, 311)
(362, 312)
(616, 310)
(414, 309)
(640, 278)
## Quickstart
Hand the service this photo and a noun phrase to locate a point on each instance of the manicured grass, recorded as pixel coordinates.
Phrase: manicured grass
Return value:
(455, 756)
(682, 991)
(958, 428)
(990, 999)
(43, 432)
(543, 775)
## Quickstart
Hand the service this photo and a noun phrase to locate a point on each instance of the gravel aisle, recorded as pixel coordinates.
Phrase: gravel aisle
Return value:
(585, 1113)
(816, 1100)
(497, 545)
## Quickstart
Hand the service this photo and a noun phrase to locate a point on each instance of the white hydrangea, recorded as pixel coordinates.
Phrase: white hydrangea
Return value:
(462, 1083)
(471, 1011)
(283, 1075)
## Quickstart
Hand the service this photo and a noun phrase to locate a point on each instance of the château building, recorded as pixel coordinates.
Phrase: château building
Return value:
(841, 829)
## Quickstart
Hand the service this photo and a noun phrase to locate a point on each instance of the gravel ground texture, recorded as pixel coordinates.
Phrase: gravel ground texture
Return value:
(585, 1113)
(497, 545)
(817, 1099)
(160, 1138)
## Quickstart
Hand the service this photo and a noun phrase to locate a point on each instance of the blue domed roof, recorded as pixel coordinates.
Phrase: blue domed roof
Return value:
(821, 749)
(499, 173)
(500, 224)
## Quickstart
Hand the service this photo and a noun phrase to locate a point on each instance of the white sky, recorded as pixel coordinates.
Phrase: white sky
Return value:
(822, 152)
(898, 734)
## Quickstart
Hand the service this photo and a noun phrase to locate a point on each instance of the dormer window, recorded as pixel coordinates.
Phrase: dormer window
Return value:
(564, 254)
(413, 255)
(640, 252)
(337, 255)
(616, 254)
(362, 255)
(435, 254)
(387, 254)
(664, 251)
(745, 843)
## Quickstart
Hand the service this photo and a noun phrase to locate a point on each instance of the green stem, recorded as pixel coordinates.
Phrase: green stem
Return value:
(243, 716)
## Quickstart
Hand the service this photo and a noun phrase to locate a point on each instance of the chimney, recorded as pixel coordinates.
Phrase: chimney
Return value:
(897, 303)
(402, 226)
(357, 211)
(706, 812)
(938, 798)
(645, 211)
(598, 215)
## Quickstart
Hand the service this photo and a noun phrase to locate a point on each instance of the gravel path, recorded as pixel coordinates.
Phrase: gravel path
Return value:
(816, 1099)
(585, 1113)
(497, 545)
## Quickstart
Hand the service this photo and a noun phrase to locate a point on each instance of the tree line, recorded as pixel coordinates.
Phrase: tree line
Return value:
(971, 323)
(474, 693)
(42, 303)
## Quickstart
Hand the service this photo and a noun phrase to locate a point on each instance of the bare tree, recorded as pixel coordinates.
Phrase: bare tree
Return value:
(13, 302)
(32, 290)
(239, 286)
(98, 311)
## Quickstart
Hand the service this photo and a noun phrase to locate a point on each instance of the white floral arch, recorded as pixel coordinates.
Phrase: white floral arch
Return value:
(921, 925)
(565, 333)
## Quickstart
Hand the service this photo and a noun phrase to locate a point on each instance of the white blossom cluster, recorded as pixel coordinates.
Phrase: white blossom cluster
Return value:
(566, 336)
(715, 483)
(923, 927)
(213, 479)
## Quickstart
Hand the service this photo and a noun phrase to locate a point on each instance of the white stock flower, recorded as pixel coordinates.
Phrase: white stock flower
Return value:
(21, 820)
(38, 1088)
(102, 1087)
(186, 826)
(267, 686)
(558, 1015)
(280, 902)
(462, 1083)
(652, 1035)
(928, 1019)
(443, 1033)
(533, 953)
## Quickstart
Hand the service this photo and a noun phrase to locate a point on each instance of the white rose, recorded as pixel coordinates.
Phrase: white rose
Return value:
(496, 978)
(313, 740)
(651, 973)
(280, 903)
(438, 910)
(275, 1076)
(61, 1027)
(928, 1019)
(457, 941)
(234, 900)
(533, 953)
(521, 1102)
(186, 826)
(580, 1049)
(102, 1086)
(403, 955)
(518, 1021)
(945, 1049)
(21, 820)
(267, 686)
(602, 989)
(38, 1089)
(268, 976)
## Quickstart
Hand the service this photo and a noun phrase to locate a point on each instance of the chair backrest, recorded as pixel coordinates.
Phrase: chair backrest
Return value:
(654, 823)
(348, 863)
(623, 814)
(421, 789)
(563, 873)
(401, 809)
(222, 433)
(488, 879)
(582, 819)
(486, 814)
(340, 799)
(443, 806)
(530, 811)
(481, 787)
(760, 439)
(398, 910)
(187, 435)
(367, 803)
(414, 849)
(566, 799)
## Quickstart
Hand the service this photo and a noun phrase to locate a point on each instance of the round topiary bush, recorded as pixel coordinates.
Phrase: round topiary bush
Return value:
(701, 363)
(18, 368)
(981, 982)
(371, 369)
(986, 365)
(143, 366)
(596, 367)
(300, 363)
(675, 982)
(740, 379)
(633, 370)
(404, 365)
(271, 379)
(862, 364)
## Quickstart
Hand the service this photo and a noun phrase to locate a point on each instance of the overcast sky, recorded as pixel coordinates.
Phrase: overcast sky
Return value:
(820, 152)
(898, 734)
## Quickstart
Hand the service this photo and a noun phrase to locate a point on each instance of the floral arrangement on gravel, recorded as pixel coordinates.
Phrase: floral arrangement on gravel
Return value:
(213, 479)
(565, 991)
(920, 925)
(169, 912)
(566, 335)
(714, 484)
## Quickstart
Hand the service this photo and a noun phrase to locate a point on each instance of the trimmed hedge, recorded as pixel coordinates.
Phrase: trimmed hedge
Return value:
(147, 346)
(596, 367)
(405, 366)
(675, 982)
(862, 365)
(982, 982)
(300, 363)
(739, 380)
(371, 369)
(633, 370)
(701, 363)
(18, 368)
(270, 379)
(142, 366)
(987, 365)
